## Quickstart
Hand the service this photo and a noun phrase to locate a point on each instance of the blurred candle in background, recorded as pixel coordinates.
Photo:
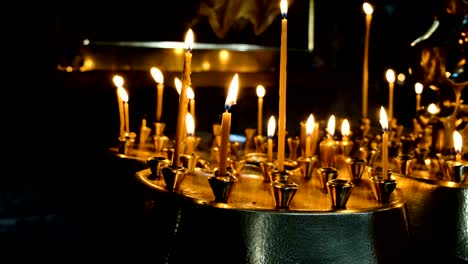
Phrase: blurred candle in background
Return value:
(457, 144)
(190, 141)
(124, 96)
(390, 75)
(384, 124)
(310, 125)
(368, 10)
(191, 98)
(159, 79)
(271, 133)
(260, 94)
(118, 82)
(418, 88)
(282, 86)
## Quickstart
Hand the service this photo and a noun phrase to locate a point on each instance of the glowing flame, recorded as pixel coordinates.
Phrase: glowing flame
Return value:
(271, 127)
(189, 39)
(457, 141)
(401, 77)
(123, 94)
(331, 125)
(345, 129)
(157, 75)
(433, 109)
(284, 7)
(310, 124)
(390, 75)
(190, 124)
(178, 84)
(118, 80)
(418, 88)
(368, 9)
(190, 93)
(232, 93)
(383, 119)
(260, 91)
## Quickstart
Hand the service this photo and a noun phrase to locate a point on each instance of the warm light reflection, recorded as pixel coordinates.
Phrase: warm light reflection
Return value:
(433, 109)
(206, 66)
(69, 69)
(157, 75)
(390, 75)
(260, 91)
(448, 74)
(401, 77)
(189, 40)
(271, 127)
(122, 94)
(118, 80)
(224, 55)
(457, 142)
(190, 93)
(310, 124)
(331, 125)
(345, 128)
(368, 9)
(178, 51)
(284, 7)
(190, 124)
(178, 85)
(232, 93)
(418, 88)
(383, 119)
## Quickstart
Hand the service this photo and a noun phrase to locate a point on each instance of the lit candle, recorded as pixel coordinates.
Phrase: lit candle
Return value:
(159, 78)
(282, 86)
(457, 144)
(368, 10)
(310, 125)
(271, 133)
(124, 96)
(183, 102)
(191, 98)
(390, 75)
(226, 125)
(260, 94)
(418, 88)
(177, 85)
(327, 146)
(384, 124)
(118, 81)
(345, 129)
(190, 124)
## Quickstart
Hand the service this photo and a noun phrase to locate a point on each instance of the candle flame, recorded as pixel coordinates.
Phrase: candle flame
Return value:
(310, 124)
(190, 93)
(260, 91)
(390, 75)
(418, 88)
(457, 141)
(232, 93)
(284, 7)
(178, 84)
(401, 77)
(271, 127)
(383, 119)
(123, 94)
(331, 126)
(190, 124)
(118, 80)
(345, 128)
(157, 75)
(368, 9)
(189, 40)
(433, 109)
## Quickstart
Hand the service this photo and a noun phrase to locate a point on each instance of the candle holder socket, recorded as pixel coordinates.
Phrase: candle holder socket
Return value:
(237, 166)
(173, 177)
(405, 163)
(308, 166)
(189, 162)
(277, 175)
(382, 188)
(260, 141)
(144, 135)
(159, 129)
(159, 143)
(222, 186)
(356, 167)
(368, 154)
(456, 171)
(156, 163)
(124, 146)
(340, 190)
(346, 146)
(249, 144)
(266, 168)
(293, 144)
(283, 193)
(325, 174)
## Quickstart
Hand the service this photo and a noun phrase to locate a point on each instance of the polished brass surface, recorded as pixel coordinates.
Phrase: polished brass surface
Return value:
(340, 190)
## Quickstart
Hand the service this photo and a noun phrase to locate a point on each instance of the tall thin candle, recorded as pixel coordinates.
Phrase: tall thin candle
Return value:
(124, 96)
(418, 88)
(226, 125)
(310, 125)
(118, 81)
(260, 93)
(457, 144)
(271, 133)
(183, 102)
(368, 10)
(190, 124)
(282, 86)
(159, 78)
(390, 75)
(384, 124)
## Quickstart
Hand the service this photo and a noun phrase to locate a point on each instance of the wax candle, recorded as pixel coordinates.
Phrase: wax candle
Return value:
(457, 144)
(310, 125)
(226, 125)
(178, 85)
(159, 79)
(260, 94)
(327, 146)
(418, 88)
(124, 96)
(345, 130)
(183, 102)
(282, 86)
(390, 75)
(118, 81)
(191, 98)
(271, 133)
(368, 10)
(384, 124)
(190, 141)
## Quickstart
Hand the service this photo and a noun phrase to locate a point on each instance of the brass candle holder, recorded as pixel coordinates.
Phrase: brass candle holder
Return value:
(308, 166)
(456, 171)
(222, 186)
(325, 174)
(283, 192)
(405, 163)
(173, 177)
(293, 145)
(266, 168)
(259, 142)
(340, 190)
(155, 164)
(382, 187)
(356, 167)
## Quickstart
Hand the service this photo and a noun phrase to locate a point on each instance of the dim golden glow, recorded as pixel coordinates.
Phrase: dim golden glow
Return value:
(190, 93)
(178, 51)
(69, 69)
(224, 55)
(206, 65)
(260, 91)
(189, 39)
(190, 124)
(368, 9)
(86, 42)
(345, 128)
(284, 7)
(271, 127)
(157, 75)
(401, 77)
(178, 85)
(383, 119)
(390, 75)
(232, 93)
(457, 141)
(447, 74)
(331, 125)
(433, 109)
(123, 94)
(118, 80)
(310, 124)
(418, 88)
